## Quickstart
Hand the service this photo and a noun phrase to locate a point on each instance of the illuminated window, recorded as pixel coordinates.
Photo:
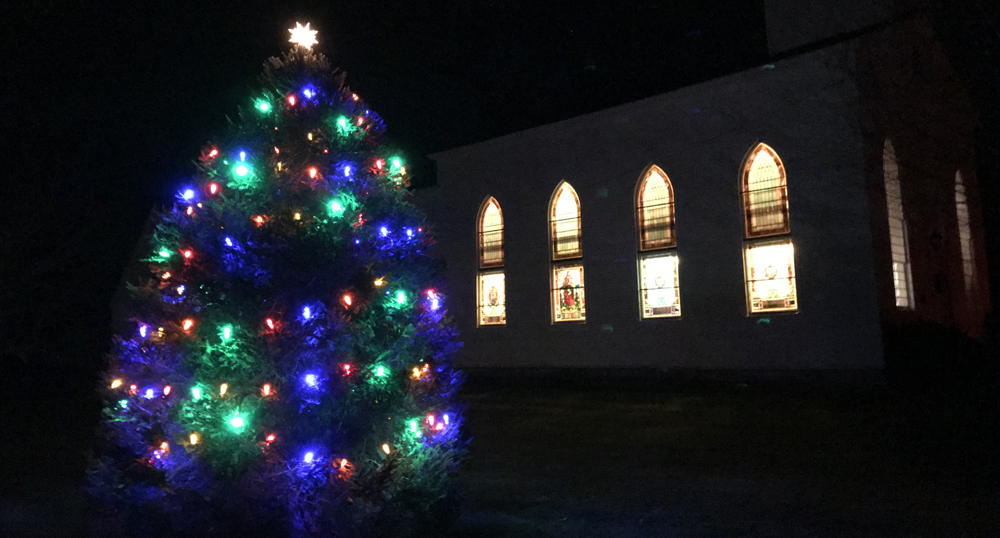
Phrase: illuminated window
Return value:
(492, 299)
(765, 195)
(964, 232)
(490, 234)
(770, 269)
(568, 302)
(655, 207)
(899, 243)
(659, 290)
(564, 223)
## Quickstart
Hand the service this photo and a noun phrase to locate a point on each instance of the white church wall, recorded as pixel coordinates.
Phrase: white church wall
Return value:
(805, 108)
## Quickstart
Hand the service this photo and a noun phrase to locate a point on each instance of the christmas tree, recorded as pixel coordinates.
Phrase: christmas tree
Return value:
(290, 370)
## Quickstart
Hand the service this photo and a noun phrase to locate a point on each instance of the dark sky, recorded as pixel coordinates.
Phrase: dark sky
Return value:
(108, 102)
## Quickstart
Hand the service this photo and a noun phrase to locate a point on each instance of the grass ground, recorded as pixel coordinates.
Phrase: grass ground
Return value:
(555, 460)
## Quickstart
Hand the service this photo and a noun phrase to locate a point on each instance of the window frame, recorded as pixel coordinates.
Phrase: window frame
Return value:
(747, 278)
(481, 234)
(640, 218)
(748, 214)
(889, 157)
(553, 240)
(582, 286)
(479, 298)
(676, 284)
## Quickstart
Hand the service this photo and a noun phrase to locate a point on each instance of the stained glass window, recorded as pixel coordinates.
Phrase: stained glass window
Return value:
(765, 195)
(568, 301)
(964, 232)
(770, 268)
(899, 242)
(655, 208)
(490, 234)
(564, 215)
(659, 286)
(492, 299)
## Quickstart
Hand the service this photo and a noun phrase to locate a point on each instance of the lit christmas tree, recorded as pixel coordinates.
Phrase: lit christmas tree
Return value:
(290, 369)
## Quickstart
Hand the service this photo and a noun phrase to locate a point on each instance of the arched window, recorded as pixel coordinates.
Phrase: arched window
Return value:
(491, 293)
(765, 194)
(964, 232)
(655, 208)
(564, 223)
(659, 285)
(490, 234)
(899, 243)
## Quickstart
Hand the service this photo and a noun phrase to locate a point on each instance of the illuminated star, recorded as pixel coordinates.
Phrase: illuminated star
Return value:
(302, 35)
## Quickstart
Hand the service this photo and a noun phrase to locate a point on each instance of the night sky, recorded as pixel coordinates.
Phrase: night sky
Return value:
(108, 106)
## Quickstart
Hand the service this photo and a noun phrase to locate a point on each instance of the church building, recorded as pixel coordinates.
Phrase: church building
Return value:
(778, 218)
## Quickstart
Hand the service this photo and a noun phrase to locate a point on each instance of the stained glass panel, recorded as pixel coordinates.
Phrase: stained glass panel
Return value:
(568, 302)
(659, 286)
(771, 277)
(492, 299)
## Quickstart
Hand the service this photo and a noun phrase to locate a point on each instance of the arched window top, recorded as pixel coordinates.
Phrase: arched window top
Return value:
(490, 234)
(655, 210)
(564, 223)
(765, 193)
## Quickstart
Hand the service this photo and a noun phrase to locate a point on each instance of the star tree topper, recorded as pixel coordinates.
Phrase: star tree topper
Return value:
(302, 35)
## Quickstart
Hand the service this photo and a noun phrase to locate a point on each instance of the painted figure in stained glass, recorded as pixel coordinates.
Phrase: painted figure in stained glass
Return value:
(492, 310)
(569, 299)
(772, 277)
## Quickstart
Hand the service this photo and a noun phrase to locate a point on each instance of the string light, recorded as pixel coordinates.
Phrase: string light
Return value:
(243, 155)
(270, 323)
(213, 188)
(214, 153)
(360, 121)
(379, 164)
(396, 162)
(266, 389)
(312, 171)
(196, 393)
(164, 447)
(413, 425)
(306, 313)
(188, 194)
(308, 458)
(167, 389)
(142, 330)
(439, 427)
(347, 369)
(385, 448)
(291, 100)
(227, 332)
(259, 219)
(430, 419)
(380, 371)
(336, 208)
(242, 170)
(188, 253)
(149, 394)
(347, 299)
(188, 323)
(223, 388)
(309, 135)
(347, 171)
(400, 297)
(384, 231)
(236, 422)
(263, 106)
(193, 438)
(379, 282)
(270, 438)
(133, 390)
(190, 210)
(310, 380)
(116, 383)
(166, 275)
(297, 216)
(446, 419)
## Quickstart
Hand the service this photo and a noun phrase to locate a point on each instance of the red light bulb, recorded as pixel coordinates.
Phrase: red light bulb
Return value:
(291, 100)
(213, 188)
(188, 253)
(270, 323)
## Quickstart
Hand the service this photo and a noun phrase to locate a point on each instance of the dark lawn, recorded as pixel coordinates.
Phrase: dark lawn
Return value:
(781, 459)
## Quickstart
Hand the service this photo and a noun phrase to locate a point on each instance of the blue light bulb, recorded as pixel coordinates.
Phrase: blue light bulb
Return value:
(188, 194)
(243, 155)
(142, 330)
(357, 241)
(308, 458)
(347, 171)
(385, 231)
(409, 232)
(306, 312)
(310, 380)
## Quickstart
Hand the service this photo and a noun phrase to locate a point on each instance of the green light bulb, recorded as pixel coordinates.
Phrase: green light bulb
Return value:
(263, 106)
(380, 371)
(164, 253)
(413, 425)
(242, 170)
(342, 122)
(227, 332)
(401, 297)
(237, 422)
(336, 208)
(196, 393)
(396, 163)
